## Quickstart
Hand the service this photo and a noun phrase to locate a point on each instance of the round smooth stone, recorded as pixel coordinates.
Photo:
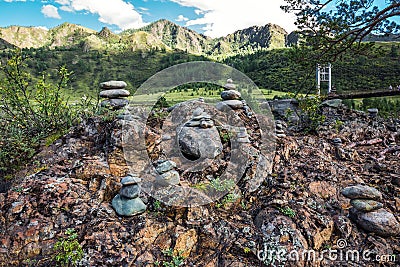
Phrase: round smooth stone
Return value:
(366, 205)
(361, 191)
(113, 85)
(165, 166)
(117, 103)
(128, 207)
(230, 95)
(233, 104)
(114, 93)
(130, 191)
(169, 178)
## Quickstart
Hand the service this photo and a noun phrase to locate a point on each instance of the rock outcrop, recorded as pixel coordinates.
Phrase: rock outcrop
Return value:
(298, 207)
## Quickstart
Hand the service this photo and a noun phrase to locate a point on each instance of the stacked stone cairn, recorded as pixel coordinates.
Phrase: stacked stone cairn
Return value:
(167, 174)
(280, 128)
(367, 211)
(115, 94)
(199, 138)
(230, 97)
(242, 136)
(127, 202)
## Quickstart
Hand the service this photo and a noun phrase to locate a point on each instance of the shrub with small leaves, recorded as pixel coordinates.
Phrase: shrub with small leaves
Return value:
(68, 250)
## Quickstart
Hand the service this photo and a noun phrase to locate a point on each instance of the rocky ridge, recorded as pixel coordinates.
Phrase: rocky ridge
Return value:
(298, 207)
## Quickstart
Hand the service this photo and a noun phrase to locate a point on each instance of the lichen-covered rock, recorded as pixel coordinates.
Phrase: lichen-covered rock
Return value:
(198, 143)
(366, 205)
(380, 222)
(361, 191)
(128, 207)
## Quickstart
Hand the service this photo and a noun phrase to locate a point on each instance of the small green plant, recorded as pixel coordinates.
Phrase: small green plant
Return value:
(312, 117)
(68, 250)
(246, 250)
(222, 185)
(157, 205)
(226, 136)
(229, 198)
(288, 212)
(338, 125)
(200, 186)
(176, 260)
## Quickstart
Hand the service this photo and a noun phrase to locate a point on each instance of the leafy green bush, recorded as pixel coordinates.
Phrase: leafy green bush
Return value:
(31, 109)
(312, 117)
(68, 250)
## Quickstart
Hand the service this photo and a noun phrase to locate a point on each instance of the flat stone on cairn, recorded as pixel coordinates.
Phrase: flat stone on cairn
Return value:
(127, 202)
(113, 85)
(115, 94)
(368, 212)
(167, 175)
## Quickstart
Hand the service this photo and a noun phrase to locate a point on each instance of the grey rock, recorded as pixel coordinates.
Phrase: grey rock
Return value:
(128, 207)
(130, 191)
(117, 103)
(333, 103)
(165, 166)
(373, 112)
(381, 222)
(206, 124)
(127, 117)
(230, 85)
(230, 95)
(203, 116)
(193, 124)
(281, 135)
(229, 104)
(366, 205)
(200, 143)
(130, 180)
(114, 93)
(169, 178)
(280, 131)
(336, 140)
(361, 192)
(282, 108)
(113, 85)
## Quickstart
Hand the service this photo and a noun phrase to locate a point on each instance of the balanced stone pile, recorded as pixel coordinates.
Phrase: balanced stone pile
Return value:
(115, 94)
(231, 97)
(127, 202)
(280, 128)
(199, 138)
(367, 211)
(167, 175)
(242, 136)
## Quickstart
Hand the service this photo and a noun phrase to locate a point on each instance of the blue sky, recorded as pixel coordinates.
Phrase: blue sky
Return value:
(211, 17)
(214, 18)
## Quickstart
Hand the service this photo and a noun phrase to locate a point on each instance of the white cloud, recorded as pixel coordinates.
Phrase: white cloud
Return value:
(226, 16)
(50, 11)
(116, 12)
(181, 18)
(42, 28)
(10, 1)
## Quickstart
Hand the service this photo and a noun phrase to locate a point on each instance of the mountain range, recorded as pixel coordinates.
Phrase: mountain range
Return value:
(159, 35)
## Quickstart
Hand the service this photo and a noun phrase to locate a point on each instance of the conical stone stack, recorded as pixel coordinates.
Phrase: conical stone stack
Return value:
(231, 97)
(127, 202)
(115, 94)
